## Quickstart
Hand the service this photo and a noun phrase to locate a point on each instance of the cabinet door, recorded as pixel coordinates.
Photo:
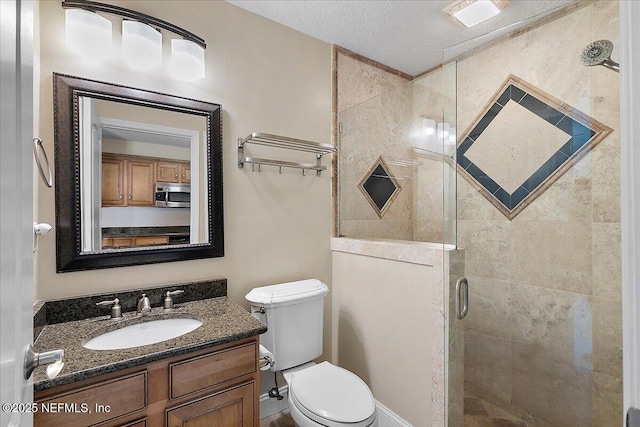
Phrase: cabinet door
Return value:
(140, 183)
(230, 408)
(113, 182)
(185, 173)
(168, 172)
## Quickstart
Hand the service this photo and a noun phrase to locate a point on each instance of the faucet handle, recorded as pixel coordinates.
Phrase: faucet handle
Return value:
(168, 300)
(116, 309)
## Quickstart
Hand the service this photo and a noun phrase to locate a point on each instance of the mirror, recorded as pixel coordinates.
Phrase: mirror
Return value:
(138, 176)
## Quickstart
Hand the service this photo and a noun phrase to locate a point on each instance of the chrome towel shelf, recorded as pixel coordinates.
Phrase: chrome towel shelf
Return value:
(276, 141)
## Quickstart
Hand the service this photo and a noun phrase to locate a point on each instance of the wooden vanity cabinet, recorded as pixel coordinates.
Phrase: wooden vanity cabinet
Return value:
(218, 387)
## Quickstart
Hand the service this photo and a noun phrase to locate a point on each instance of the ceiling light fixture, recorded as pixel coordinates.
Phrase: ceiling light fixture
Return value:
(141, 42)
(473, 12)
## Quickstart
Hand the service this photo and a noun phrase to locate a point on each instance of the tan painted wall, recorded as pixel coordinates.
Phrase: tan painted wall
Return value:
(382, 329)
(268, 79)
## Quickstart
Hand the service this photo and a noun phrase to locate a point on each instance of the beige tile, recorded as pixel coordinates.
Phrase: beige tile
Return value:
(552, 255)
(477, 421)
(370, 229)
(281, 419)
(606, 255)
(551, 388)
(607, 336)
(607, 400)
(472, 205)
(486, 364)
(358, 82)
(552, 321)
(502, 153)
(487, 246)
(606, 180)
(489, 301)
(567, 199)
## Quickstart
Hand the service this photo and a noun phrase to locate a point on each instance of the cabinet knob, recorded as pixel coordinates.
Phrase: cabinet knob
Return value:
(129, 196)
(120, 196)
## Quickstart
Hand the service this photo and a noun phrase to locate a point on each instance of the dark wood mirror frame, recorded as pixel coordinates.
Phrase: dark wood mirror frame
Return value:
(69, 257)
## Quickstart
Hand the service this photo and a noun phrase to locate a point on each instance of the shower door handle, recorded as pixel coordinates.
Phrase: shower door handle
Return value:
(462, 301)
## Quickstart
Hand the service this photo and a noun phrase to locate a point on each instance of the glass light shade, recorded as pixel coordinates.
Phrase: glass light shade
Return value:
(141, 45)
(187, 60)
(428, 127)
(88, 33)
(443, 132)
(452, 136)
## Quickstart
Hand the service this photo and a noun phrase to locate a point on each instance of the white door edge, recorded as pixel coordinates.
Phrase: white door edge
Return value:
(630, 198)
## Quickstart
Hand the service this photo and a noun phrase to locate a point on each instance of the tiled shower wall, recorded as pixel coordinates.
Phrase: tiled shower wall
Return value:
(543, 334)
(370, 129)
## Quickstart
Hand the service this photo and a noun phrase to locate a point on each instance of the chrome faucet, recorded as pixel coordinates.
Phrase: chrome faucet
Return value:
(116, 309)
(168, 299)
(144, 305)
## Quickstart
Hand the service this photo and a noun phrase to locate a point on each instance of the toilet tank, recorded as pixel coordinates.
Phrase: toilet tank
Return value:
(293, 314)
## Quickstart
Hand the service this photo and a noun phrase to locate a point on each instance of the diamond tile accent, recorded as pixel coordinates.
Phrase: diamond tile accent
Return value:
(379, 186)
(523, 141)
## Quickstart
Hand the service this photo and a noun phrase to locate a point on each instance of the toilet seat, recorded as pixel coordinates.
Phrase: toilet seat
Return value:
(332, 396)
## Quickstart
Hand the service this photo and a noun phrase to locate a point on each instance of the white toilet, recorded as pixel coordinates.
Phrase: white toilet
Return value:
(320, 395)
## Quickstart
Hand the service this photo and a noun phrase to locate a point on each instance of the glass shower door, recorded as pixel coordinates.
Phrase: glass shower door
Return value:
(538, 220)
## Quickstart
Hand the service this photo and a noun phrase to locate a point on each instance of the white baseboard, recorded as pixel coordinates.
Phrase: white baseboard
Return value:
(270, 406)
(388, 418)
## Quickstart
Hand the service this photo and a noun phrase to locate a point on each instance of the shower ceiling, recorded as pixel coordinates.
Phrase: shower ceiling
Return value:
(406, 35)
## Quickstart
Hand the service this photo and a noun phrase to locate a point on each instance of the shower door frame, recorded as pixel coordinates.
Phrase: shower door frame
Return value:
(629, 14)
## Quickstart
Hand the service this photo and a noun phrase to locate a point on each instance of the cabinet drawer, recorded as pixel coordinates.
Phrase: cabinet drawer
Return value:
(233, 407)
(139, 423)
(94, 404)
(200, 373)
(152, 240)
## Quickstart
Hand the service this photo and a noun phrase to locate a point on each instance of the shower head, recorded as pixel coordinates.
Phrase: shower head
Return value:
(599, 53)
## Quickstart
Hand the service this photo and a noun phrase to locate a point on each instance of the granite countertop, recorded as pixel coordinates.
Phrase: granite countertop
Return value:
(222, 320)
(145, 231)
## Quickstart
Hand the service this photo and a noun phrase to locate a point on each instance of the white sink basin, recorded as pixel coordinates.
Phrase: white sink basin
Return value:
(145, 333)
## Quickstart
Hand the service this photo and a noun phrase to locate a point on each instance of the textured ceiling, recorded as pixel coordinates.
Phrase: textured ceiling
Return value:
(406, 35)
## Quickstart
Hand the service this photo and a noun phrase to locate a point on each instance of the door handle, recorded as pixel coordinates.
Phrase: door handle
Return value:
(32, 360)
(462, 301)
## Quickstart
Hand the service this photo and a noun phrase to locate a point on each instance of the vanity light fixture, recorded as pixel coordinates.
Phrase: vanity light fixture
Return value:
(473, 12)
(187, 59)
(87, 33)
(141, 41)
(141, 45)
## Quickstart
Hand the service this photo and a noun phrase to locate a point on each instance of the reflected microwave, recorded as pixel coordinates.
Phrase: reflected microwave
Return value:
(169, 195)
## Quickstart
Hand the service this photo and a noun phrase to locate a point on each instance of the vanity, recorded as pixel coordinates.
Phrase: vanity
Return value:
(207, 377)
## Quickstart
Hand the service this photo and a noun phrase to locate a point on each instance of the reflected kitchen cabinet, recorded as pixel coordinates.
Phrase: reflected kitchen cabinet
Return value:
(174, 172)
(140, 183)
(127, 181)
(112, 182)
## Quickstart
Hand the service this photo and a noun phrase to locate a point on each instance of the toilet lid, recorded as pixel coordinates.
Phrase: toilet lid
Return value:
(326, 392)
